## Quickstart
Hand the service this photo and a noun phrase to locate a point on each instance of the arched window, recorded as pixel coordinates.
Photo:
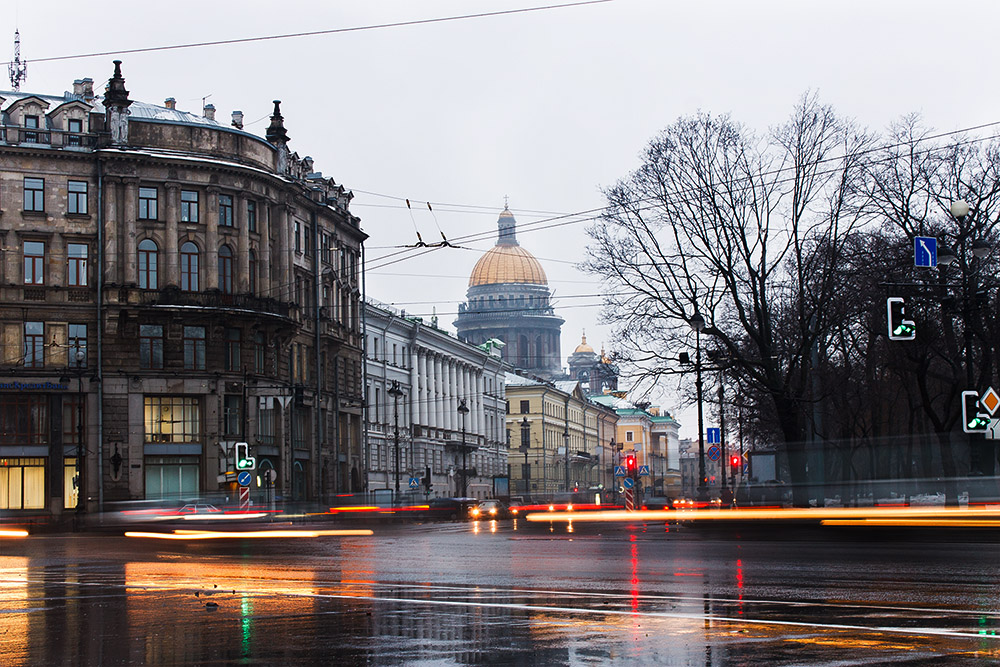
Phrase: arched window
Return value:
(226, 270)
(148, 253)
(252, 269)
(189, 267)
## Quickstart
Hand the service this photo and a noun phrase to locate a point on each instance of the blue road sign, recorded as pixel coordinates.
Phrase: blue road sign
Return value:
(713, 435)
(244, 478)
(619, 471)
(714, 453)
(644, 470)
(628, 482)
(414, 482)
(925, 251)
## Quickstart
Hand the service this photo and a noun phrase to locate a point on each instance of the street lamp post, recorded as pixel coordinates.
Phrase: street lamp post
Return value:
(525, 446)
(463, 410)
(396, 392)
(697, 322)
(80, 356)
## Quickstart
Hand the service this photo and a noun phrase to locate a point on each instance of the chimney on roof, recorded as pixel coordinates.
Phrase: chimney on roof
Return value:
(84, 88)
(170, 103)
(238, 120)
(209, 111)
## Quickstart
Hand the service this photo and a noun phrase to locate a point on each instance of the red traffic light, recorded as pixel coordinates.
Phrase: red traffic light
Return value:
(630, 463)
(735, 460)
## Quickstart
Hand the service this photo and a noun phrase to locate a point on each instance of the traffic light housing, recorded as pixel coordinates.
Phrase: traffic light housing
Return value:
(243, 459)
(427, 479)
(900, 326)
(630, 466)
(735, 460)
(973, 421)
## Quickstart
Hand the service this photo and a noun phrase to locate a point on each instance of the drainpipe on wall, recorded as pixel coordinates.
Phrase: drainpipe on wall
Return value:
(100, 333)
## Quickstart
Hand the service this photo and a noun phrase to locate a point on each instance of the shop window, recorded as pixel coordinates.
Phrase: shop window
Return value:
(172, 419)
(171, 477)
(22, 483)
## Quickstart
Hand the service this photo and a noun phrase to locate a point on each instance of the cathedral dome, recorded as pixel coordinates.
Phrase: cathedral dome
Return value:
(507, 264)
(583, 347)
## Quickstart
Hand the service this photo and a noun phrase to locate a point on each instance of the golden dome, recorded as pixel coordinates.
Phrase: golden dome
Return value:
(507, 264)
(583, 347)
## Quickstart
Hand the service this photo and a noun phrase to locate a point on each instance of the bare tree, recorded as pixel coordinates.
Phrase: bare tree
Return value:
(746, 231)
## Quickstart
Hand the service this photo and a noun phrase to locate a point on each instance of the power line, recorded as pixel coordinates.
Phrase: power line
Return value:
(313, 33)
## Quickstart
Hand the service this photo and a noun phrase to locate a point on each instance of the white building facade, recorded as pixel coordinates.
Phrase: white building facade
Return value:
(438, 447)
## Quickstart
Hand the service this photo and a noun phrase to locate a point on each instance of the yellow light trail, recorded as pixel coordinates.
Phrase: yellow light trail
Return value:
(253, 534)
(10, 532)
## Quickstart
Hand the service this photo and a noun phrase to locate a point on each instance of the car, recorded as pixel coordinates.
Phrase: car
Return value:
(490, 509)
(198, 508)
(658, 503)
(449, 508)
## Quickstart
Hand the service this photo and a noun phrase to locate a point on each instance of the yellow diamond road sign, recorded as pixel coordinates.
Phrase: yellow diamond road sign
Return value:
(990, 400)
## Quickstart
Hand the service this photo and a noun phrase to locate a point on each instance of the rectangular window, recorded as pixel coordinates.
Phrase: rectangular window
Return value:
(26, 420)
(233, 339)
(225, 210)
(298, 236)
(150, 346)
(70, 481)
(172, 419)
(259, 349)
(307, 244)
(324, 249)
(300, 427)
(22, 483)
(34, 194)
(194, 348)
(34, 263)
(76, 264)
(525, 407)
(75, 126)
(265, 426)
(31, 123)
(189, 206)
(171, 477)
(76, 197)
(232, 415)
(148, 203)
(628, 436)
(252, 216)
(77, 345)
(34, 344)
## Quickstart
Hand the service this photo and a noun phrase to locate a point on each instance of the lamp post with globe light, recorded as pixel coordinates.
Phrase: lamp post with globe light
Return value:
(697, 322)
(463, 410)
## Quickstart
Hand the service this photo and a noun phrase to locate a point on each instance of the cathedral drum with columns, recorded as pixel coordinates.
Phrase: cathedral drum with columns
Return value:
(509, 299)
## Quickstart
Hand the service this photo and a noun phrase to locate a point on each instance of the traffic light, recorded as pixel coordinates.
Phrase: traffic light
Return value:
(630, 466)
(973, 421)
(735, 460)
(427, 480)
(243, 459)
(900, 327)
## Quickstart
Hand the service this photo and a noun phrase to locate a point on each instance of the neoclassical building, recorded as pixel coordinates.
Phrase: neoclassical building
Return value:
(171, 284)
(596, 372)
(417, 376)
(509, 300)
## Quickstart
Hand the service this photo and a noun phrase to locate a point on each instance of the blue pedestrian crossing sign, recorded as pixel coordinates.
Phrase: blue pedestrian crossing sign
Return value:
(713, 435)
(644, 470)
(925, 251)
(414, 482)
(628, 482)
(619, 471)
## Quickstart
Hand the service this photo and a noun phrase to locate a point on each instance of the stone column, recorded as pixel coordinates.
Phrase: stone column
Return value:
(414, 389)
(438, 389)
(111, 226)
(131, 258)
(264, 249)
(211, 270)
(284, 288)
(171, 259)
(242, 281)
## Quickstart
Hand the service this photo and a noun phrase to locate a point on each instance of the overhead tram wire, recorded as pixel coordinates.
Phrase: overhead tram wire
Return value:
(314, 33)
(540, 225)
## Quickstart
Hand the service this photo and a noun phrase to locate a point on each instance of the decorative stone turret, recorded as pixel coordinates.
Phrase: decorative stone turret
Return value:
(116, 104)
(277, 135)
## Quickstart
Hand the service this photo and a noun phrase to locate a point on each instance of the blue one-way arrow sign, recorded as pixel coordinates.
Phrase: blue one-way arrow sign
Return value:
(713, 435)
(925, 251)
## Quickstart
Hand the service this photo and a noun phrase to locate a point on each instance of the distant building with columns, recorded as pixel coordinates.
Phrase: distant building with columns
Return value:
(433, 373)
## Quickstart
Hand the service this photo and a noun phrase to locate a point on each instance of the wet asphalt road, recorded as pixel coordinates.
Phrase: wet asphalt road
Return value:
(484, 593)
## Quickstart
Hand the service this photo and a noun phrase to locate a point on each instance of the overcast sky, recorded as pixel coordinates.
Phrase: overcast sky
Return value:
(546, 107)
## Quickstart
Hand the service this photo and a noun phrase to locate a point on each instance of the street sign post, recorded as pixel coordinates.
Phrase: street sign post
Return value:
(244, 498)
(925, 251)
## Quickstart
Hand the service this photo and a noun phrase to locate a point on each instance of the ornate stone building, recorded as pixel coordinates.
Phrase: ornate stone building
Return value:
(508, 299)
(170, 285)
(433, 373)
(595, 372)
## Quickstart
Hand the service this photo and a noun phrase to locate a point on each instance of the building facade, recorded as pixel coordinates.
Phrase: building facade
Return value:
(417, 377)
(171, 285)
(560, 441)
(509, 300)
(595, 372)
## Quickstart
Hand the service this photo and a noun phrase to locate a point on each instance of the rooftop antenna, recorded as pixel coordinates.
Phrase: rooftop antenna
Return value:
(17, 68)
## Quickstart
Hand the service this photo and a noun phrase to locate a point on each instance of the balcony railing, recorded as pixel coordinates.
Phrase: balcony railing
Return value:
(173, 297)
